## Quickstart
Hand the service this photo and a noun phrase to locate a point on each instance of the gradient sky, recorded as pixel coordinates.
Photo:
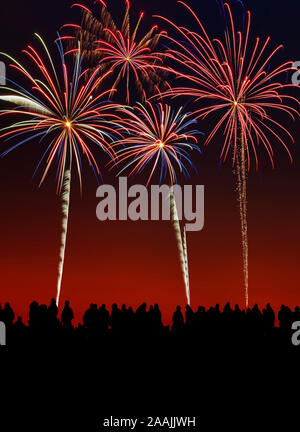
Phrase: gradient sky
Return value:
(130, 263)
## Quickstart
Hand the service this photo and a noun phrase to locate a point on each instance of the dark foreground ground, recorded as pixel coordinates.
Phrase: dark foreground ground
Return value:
(230, 369)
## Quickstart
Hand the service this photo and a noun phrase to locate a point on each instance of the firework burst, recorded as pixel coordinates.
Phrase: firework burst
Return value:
(66, 115)
(130, 57)
(237, 83)
(160, 140)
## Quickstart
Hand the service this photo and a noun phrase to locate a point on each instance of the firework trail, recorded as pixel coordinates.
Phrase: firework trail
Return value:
(65, 201)
(186, 262)
(64, 113)
(239, 87)
(159, 140)
(181, 249)
(240, 172)
(130, 57)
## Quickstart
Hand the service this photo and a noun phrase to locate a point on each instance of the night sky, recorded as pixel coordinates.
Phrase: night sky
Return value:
(130, 263)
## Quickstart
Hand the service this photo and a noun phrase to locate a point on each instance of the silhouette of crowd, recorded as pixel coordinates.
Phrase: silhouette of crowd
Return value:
(213, 326)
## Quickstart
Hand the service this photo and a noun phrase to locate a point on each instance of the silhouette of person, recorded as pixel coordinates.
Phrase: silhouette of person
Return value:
(19, 324)
(67, 315)
(268, 318)
(103, 318)
(189, 320)
(285, 318)
(34, 315)
(141, 318)
(87, 316)
(178, 321)
(115, 318)
(157, 316)
(8, 315)
(296, 314)
(52, 314)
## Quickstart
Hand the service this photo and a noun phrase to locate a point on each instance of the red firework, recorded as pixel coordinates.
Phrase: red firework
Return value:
(129, 57)
(235, 81)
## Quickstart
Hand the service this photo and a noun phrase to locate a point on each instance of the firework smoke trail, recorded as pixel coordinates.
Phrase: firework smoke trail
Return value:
(241, 178)
(65, 197)
(187, 277)
(181, 249)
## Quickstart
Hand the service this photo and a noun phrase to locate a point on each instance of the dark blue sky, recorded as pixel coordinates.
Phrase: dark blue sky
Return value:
(19, 19)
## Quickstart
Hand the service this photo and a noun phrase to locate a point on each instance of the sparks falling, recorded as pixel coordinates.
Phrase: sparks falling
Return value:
(236, 82)
(160, 140)
(66, 115)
